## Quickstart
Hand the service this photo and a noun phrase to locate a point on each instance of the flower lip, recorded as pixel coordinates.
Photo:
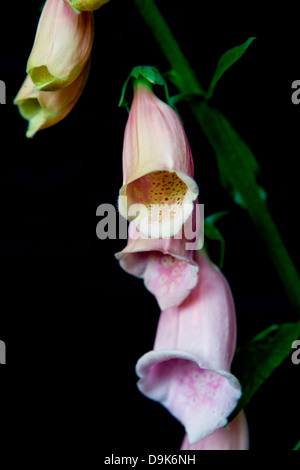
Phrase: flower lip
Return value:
(127, 250)
(62, 46)
(85, 5)
(45, 108)
(169, 277)
(159, 202)
(151, 358)
(178, 386)
(167, 265)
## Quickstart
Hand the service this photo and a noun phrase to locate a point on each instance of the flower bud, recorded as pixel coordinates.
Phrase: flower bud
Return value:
(45, 108)
(62, 46)
(86, 5)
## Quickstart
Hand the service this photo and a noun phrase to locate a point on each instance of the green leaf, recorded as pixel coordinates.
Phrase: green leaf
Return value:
(211, 219)
(238, 167)
(297, 446)
(147, 72)
(225, 62)
(124, 100)
(255, 361)
(211, 232)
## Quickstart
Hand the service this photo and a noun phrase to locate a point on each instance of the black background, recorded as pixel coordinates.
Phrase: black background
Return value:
(74, 323)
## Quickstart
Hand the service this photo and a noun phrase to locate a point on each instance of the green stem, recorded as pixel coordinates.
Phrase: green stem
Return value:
(297, 446)
(169, 46)
(227, 145)
(220, 135)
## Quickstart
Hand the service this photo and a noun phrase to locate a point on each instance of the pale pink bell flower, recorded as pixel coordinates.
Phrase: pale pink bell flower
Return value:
(166, 265)
(62, 46)
(235, 436)
(158, 167)
(43, 109)
(188, 370)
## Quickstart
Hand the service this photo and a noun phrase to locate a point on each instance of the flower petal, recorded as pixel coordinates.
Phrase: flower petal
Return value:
(201, 399)
(166, 265)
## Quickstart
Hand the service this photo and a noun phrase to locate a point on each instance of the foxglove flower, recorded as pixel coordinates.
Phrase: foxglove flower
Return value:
(86, 5)
(235, 436)
(62, 46)
(166, 265)
(43, 109)
(188, 370)
(158, 167)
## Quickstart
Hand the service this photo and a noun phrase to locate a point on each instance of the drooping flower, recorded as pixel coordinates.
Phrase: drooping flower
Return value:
(158, 167)
(188, 370)
(86, 5)
(235, 436)
(62, 46)
(166, 265)
(43, 109)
